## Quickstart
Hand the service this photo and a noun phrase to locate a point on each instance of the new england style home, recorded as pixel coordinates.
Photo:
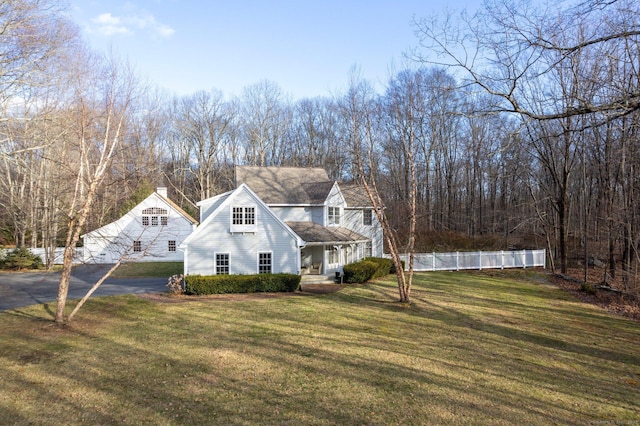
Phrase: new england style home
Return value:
(283, 219)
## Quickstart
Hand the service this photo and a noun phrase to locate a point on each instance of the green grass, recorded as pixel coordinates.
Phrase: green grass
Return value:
(473, 348)
(148, 269)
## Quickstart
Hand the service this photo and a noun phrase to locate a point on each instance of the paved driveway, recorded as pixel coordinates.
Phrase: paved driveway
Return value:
(18, 289)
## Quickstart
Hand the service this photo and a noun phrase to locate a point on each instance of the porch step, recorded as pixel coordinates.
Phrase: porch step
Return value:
(317, 279)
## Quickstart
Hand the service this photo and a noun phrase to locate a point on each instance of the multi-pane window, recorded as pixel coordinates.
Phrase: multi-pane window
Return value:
(222, 263)
(172, 245)
(333, 215)
(243, 219)
(244, 215)
(238, 216)
(249, 215)
(264, 263)
(155, 211)
(155, 216)
(137, 246)
(367, 217)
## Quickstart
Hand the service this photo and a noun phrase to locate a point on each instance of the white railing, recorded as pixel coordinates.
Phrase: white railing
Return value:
(457, 261)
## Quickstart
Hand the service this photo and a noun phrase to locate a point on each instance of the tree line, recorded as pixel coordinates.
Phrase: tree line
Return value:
(516, 126)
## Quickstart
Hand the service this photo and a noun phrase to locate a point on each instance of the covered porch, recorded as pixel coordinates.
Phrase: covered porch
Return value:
(327, 249)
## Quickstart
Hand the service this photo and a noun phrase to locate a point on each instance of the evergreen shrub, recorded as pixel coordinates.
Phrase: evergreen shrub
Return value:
(368, 269)
(359, 272)
(223, 284)
(21, 258)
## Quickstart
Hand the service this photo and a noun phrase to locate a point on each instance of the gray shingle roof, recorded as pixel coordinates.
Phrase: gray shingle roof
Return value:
(355, 195)
(286, 185)
(315, 233)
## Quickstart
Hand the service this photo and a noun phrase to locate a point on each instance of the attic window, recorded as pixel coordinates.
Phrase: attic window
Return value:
(154, 216)
(154, 211)
(243, 219)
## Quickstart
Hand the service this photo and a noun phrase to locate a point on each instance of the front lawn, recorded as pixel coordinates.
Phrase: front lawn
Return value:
(148, 269)
(473, 348)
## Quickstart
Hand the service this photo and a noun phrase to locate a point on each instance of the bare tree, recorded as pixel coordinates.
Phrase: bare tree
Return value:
(510, 47)
(33, 33)
(36, 41)
(551, 68)
(101, 103)
(360, 115)
(203, 123)
(265, 119)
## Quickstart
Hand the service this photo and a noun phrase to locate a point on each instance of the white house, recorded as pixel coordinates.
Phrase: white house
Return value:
(283, 219)
(151, 231)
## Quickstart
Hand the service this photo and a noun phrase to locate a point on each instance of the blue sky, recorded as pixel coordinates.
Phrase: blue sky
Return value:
(307, 47)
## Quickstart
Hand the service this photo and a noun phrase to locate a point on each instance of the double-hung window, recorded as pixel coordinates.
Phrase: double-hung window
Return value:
(367, 217)
(137, 246)
(172, 245)
(243, 219)
(333, 215)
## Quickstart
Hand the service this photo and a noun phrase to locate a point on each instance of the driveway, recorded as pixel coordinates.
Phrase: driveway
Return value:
(18, 289)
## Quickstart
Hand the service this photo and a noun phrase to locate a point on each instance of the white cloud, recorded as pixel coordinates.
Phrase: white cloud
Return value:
(108, 24)
(149, 23)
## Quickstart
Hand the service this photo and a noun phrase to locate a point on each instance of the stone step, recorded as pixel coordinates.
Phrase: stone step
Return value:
(317, 279)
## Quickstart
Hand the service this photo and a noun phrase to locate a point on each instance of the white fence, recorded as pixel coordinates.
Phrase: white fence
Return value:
(58, 255)
(477, 260)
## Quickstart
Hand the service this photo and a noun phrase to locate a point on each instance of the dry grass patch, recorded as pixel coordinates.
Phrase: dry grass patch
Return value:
(473, 348)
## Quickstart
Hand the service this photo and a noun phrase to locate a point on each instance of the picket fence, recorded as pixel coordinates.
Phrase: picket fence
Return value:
(457, 261)
(454, 261)
(58, 255)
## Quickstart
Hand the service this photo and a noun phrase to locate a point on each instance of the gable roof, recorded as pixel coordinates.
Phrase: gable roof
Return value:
(286, 185)
(225, 201)
(119, 223)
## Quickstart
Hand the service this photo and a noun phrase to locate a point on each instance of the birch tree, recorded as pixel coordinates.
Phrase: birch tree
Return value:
(360, 113)
(101, 102)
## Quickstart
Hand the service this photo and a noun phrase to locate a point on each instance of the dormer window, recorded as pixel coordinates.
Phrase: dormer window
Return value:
(333, 215)
(243, 219)
(155, 216)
